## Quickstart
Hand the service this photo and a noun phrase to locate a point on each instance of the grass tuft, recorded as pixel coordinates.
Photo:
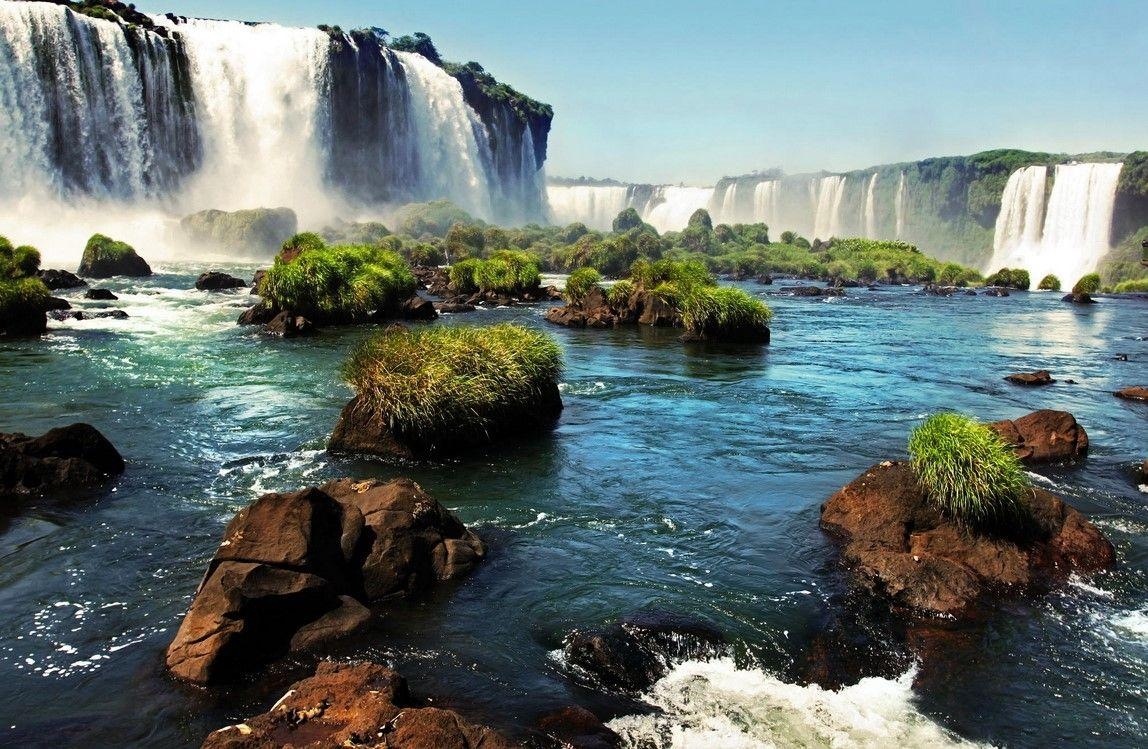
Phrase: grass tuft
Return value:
(1088, 284)
(504, 272)
(721, 312)
(21, 292)
(580, 283)
(970, 473)
(458, 381)
(1049, 283)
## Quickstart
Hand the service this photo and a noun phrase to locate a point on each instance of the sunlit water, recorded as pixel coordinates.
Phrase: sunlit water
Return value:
(679, 478)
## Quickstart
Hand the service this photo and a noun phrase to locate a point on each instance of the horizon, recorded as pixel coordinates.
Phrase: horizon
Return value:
(910, 101)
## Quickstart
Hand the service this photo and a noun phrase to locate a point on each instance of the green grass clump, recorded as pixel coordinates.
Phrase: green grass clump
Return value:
(580, 283)
(620, 293)
(724, 313)
(1088, 284)
(1125, 287)
(504, 272)
(22, 294)
(458, 381)
(970, 473)
(1049, 283)
(104, 257)
(1016, 278)
(339, 284)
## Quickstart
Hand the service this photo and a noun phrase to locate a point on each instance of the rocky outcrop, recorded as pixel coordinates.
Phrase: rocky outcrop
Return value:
(1078, 298)
(60, 279)
(69, 457)
(578, 728)
(1039, 377)
(354, 705)
(1044, 436)
(214, 280)
(898, 547)
(259, 313)
(295, 571)
(1133, 393)
(811, 291)
(102, 295)
(105, 257)
(629, 656)
(287, 324)
(417, 308)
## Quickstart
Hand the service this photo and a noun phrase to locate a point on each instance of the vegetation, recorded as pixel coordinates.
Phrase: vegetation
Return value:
(620, 293)
(580, 283)
(1088, 284)
(1049, 283)
(1010, 279)
(1123, 262)
(22, 294)
(508, 272)
(723, 313)
(336, 284)
(104, 257)
(457, 380)
(1125, 287)
(969, 473)
(257, 229)
(434, 218)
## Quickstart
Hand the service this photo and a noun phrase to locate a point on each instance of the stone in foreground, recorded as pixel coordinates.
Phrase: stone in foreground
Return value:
(1044, 436)
(69, 457)
(1039, 377)
(295, 570)
(354, 705)
(898, 547)
(214, 280)
(1133, 393)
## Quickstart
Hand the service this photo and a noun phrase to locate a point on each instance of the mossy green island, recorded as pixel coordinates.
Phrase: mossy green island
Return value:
(105, 257)
(24, 298)
(448, 389)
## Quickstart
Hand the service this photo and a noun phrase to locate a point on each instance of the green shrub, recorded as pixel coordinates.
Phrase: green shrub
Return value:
(580, 283)
(1088, 284)
(505, 272)
(724, 313)
(1049, 283)
(464, 276)
(620, 293)
(969, 473)
(434, 218)
(1138, 285)
(626, 220)
(339, 284)
(465, 241)
(22, 294)
(1010, 278)
(458, 380)
(682, 274)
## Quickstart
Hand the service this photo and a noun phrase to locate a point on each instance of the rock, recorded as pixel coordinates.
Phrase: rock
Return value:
(1039, 377)
(62, 315)
(417, 308)
(287, 324)
(259, 313)
(578, 728)
(1120, 357)
(214, 280)
(631, 655)
(1078, 299)
(808, 291)
(995, 291)
(105, 257)
(60, 279)
(1044, 436)
(295, 570)
(898, 548)
(101, 294)
(1137, 393)
(453, 308)
(256, 280)
(65, 458)
(354, 705)
(115, 314)
(931, 289)
(55, 303)
(255, 231)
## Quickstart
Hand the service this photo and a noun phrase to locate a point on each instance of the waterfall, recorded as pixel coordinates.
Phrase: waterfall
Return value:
(766, 198)
(671, 207)
(727, 214)
(89, 106)
(1070, 235)
(827, 216)
(899, 207)
(596, 206)
(871, 208)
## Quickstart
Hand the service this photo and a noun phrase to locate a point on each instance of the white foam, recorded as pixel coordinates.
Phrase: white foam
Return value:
(715, 704)
(1133, 622)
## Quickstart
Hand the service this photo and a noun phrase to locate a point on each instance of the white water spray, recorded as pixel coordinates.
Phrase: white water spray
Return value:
(871, 208)
(827, 218)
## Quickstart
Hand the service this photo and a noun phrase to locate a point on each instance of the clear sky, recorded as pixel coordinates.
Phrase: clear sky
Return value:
(675, 91)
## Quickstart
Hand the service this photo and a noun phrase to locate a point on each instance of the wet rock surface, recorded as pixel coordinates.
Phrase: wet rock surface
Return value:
(69, 457)
(1044, 436)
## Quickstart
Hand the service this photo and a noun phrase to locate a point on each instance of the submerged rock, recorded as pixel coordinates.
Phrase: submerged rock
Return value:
(1039, 377)
(287, 324)
(1078, 298)
(214, 280)
(898, 547)
(354, 705)
(68, 457)
(104, 295)
(295, 570)
(60, 279)
(631, 655)
(1133, 393)
(1044, 436)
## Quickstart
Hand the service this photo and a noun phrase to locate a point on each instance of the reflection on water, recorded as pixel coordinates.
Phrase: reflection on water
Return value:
(681, 477)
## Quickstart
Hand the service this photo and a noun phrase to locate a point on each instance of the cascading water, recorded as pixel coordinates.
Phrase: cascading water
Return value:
(899, 207)
(671, 207)
(871, 208)
(596, 206)
(766, 201)
(1070, 236)
(728, 213)
(827, 217)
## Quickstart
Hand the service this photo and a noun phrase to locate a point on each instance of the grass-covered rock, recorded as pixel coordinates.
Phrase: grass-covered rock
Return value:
(1049, 283)
(24, 299)
(105, 257)
(1128, 287)
(444, 389)
(1088, 284)
(255, 231)
(337, 285)
(505, 273)
(970, 473)
(1010, 278)
(580, 282)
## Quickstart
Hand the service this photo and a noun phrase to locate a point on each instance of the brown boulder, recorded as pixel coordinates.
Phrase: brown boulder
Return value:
(897, 546)
(417, 308)
(294, 570)
(1044, 436)
(1039, 377)
(64, 458)
(354, 704)
(578, 728)
(287, 324)
(1133, 393)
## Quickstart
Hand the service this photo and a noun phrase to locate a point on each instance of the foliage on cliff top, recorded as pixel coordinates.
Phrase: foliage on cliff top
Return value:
(462, 380)
(338, 284)
(969, 473)
(1134, 175)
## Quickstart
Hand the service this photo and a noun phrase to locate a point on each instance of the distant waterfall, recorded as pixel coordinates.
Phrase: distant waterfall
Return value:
(596, 206)
(727, 213)
(899, 207)
(198, 114)
(1069, 236)
(671, 207)
(871, 208)
(766, 202)
(827, 217)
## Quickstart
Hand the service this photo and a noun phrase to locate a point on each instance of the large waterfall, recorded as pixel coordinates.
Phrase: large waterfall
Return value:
(216, 114)
(1070, 235)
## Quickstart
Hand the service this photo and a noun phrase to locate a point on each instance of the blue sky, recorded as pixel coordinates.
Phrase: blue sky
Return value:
(674, 91)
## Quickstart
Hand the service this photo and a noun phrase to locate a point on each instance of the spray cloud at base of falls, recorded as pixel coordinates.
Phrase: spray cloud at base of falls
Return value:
(99, 117)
